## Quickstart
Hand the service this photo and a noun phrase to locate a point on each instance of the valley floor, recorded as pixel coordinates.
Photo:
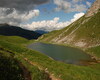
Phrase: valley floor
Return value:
(42, 67)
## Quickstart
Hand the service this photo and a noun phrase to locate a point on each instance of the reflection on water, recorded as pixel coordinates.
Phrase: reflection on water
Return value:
(62, 53)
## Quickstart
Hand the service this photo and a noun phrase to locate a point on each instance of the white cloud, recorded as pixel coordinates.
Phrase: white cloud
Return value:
(15, 12)
(77, 16)
(70, 5)
(88, 3)
(76, 0)
(15, 17)
(51, 25)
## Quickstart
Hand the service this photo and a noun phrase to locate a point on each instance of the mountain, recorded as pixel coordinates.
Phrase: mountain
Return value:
(9, 30)
(94, 9)
(41, 31)
(83, 33)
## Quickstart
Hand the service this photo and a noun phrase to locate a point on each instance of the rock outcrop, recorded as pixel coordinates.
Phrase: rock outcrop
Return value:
(94, 9)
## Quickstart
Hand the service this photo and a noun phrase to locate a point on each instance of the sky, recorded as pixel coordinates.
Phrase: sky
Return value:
(47, 15)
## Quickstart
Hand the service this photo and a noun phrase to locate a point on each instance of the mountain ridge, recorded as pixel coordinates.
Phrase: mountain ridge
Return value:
(8, 30)
(94, 9)
(83, 33)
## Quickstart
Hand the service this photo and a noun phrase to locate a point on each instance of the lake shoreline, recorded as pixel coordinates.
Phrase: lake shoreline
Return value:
(97, 59)
(82, 62)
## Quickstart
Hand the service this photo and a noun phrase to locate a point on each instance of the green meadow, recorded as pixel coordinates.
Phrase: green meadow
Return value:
(13, 51)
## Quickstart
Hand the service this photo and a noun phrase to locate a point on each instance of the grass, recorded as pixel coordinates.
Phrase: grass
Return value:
(9, 67)
(12, 71)
(87, 30)
(15, 51)
(58, 69)
(94, 51)
(14, 39)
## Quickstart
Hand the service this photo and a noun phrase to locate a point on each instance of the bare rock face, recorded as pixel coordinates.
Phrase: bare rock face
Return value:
(94, 9)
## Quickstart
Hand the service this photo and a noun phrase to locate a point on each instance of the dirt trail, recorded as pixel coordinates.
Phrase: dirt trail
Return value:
(26, 73)
(51, 76)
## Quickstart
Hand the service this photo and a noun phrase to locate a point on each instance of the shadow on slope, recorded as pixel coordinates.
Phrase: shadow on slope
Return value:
(8, 30)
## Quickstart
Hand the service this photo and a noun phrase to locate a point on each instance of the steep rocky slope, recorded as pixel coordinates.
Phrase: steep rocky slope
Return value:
(83, 33)
(94, 9)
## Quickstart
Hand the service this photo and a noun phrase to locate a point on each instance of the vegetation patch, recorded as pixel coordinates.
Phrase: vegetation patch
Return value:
(58, 69)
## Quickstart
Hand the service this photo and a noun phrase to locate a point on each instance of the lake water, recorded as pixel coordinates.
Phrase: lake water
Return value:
(61, 53)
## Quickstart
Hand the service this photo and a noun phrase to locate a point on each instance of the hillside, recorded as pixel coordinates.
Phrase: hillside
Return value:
(84, 33)
(18, 62)
(8, 30)
(37, 65)
(9, 67)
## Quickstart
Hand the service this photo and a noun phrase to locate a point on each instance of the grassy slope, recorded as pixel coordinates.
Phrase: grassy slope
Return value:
(59, 69)
(14, 44)
(94, 51)
(9, 67)
(89, 30)
(14, 39)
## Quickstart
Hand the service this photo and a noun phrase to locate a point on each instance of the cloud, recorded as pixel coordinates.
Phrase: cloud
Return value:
(77, 16)
(88, 3)
(70, 5)
(21, 5)
(18, 11)
(15, 12)
(76, 1)
(15, 18)
(51, 25)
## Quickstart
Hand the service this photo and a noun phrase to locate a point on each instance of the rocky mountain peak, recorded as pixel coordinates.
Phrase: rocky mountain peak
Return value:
(94, 9)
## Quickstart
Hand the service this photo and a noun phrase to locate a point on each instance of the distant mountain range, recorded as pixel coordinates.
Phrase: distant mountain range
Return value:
(84, 33)
(41, 31)
(9, 30)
